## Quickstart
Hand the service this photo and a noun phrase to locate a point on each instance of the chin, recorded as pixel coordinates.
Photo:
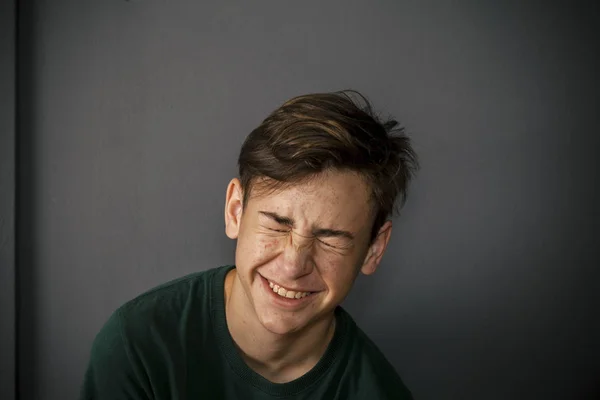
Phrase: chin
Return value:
(279, 326)
(281, 322)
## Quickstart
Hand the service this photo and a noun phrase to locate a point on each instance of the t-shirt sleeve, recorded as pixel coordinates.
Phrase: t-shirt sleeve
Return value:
(111, 372)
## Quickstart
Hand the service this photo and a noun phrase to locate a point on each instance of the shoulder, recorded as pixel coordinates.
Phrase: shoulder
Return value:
(169, 298)
(165, 305)
(137, 340)
(154, 305)
(156, 314)
(378, 377)
(111, 370)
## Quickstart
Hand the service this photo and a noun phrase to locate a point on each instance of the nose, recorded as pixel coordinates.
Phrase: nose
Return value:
(297, 256)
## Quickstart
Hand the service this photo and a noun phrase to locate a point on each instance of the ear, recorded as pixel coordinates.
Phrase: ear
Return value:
(377, 248)
(233, 208)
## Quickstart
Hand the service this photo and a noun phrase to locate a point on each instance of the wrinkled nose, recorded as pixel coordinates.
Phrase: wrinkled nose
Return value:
(297, 255)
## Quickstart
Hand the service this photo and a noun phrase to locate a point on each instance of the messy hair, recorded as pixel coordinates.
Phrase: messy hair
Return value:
(314, 133)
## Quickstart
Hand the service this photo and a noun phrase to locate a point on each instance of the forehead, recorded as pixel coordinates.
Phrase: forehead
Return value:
(335, 197)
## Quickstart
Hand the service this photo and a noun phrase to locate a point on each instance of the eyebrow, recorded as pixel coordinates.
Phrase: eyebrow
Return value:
(320, 232)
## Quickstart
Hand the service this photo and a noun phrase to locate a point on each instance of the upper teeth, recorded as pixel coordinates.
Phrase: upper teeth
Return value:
(290, 294)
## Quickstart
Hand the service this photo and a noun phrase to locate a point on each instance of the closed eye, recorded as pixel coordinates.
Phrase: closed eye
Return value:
(342, 247)
(327, 244)
(278, 230)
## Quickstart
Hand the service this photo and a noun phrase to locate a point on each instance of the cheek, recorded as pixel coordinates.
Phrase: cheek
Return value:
(337, 271)
(262, 247)
(267, 246)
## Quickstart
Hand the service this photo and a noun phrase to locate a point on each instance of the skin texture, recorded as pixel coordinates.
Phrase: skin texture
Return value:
(313, 236)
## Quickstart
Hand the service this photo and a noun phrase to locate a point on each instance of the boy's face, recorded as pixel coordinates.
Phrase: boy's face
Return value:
(307, 242)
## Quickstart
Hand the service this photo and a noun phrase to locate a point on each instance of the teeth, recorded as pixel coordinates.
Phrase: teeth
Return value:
(290, 294)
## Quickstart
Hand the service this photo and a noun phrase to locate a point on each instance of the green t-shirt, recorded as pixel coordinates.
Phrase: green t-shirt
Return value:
(172, 342)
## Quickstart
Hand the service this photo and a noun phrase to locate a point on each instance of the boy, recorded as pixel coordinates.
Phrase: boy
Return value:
(317, 182)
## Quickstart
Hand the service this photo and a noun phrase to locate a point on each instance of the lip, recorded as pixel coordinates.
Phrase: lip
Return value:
(284, 302)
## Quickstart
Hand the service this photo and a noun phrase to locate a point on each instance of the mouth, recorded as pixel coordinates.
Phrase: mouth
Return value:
(286, 296)
(287, 293)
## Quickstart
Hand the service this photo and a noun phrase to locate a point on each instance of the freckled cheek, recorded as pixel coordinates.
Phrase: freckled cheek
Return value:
(266, 247)
(338, 276)
(330, 263)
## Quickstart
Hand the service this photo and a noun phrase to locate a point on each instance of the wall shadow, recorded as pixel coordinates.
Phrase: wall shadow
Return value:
(26, 221)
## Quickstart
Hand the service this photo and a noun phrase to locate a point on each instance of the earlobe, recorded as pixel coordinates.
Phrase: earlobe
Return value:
(375, 252)
(233, 208)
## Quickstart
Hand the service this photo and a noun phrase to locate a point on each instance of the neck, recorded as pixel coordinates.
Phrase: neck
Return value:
(278, 358)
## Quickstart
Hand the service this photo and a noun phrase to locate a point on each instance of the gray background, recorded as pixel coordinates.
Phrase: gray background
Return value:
(7, 198)
(132, 115)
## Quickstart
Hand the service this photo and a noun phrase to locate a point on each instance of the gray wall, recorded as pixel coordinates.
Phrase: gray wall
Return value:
(7, 198)
(134, 113)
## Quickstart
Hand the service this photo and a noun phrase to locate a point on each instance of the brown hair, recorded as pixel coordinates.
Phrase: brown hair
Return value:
(316, 132)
